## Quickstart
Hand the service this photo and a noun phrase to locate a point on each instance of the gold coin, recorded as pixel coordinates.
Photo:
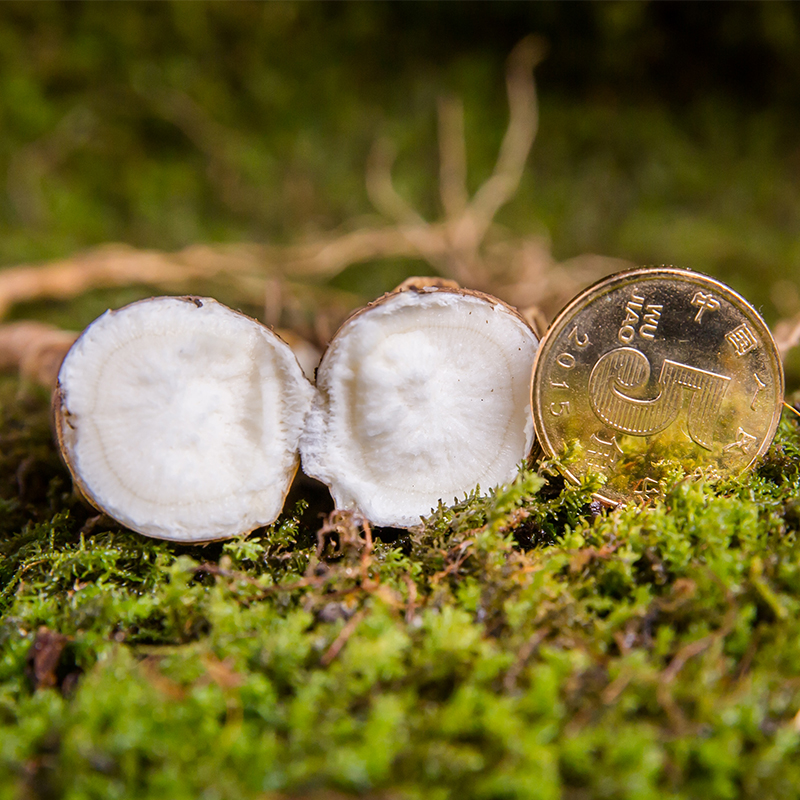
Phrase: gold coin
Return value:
(654, 368)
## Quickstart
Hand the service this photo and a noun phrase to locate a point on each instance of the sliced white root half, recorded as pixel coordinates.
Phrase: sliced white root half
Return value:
(180, 418)
(421, 396)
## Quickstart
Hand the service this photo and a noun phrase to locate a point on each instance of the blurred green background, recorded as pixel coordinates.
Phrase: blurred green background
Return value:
(669, 131)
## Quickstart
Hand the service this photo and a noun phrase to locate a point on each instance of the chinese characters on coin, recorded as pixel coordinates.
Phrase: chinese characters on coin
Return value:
(655, 368)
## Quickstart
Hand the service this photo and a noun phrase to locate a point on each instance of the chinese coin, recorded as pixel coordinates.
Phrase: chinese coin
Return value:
(651, 369)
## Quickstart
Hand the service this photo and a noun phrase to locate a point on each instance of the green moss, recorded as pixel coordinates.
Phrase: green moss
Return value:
(525, 644)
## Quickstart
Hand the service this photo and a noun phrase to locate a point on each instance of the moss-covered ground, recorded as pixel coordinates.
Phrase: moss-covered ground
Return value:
(528, 645)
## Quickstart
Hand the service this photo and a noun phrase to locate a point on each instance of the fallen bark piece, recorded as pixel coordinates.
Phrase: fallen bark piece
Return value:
(180, 418)
(422, 395)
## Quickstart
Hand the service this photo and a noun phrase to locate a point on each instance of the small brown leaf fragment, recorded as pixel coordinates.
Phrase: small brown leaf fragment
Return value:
(586, 555)
(44, 657)
(222, 672)
(150, 666)
(580, 560)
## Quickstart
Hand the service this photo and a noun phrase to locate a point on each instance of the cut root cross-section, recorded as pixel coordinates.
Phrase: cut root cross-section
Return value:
(422, 396)
(181, 418)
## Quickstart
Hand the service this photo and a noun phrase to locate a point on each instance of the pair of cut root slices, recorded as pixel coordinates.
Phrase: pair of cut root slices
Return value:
(185, 420)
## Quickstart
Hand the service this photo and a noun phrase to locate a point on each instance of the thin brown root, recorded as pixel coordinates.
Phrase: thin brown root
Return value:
(791, 408)
(341, 640)
(452, 157)
(523, 124)
(35, 350)
(787, 335)
(120, 265)
(535, 318)
(465, 245)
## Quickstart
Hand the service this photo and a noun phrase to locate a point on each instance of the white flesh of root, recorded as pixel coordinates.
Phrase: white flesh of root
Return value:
(180, 418)
(421, 397)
